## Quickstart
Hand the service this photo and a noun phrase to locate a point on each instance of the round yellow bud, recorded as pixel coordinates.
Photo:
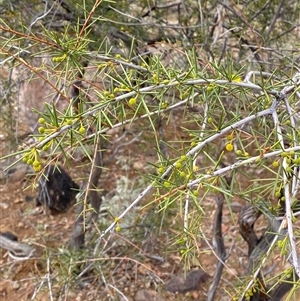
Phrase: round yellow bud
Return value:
(164, 105)
(229, 137)
(229, 147)
(36, 163)
(82, 130)
(182, 174)
(278, 194)
(37, 168)
(132, 101)
(160, 170)
(41, 130)
(178, 165)
(195, 168)
(167, 184)
(195, 192)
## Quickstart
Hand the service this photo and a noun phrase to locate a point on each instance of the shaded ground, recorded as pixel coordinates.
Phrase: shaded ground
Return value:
(128, 267)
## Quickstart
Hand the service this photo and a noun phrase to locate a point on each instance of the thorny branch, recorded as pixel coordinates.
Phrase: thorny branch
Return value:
(260, 254)
(97, 108)
(287, 194)
(279, 97)
(200, 145)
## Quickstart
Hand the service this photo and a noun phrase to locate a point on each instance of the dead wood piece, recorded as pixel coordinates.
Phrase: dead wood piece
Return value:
(247, 218)
(95, 197)
(77, 239)
(192, 282)
(257, 250)
(16, 249)
(219, 246)
(57, 191)
(260, 250)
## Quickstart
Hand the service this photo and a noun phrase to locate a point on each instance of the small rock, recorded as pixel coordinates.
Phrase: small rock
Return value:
(236, 207)
(20, 225)
(182, 284)
(125, 299)
(147, 295)
(3, 293)
(15, 285)
(3, 205)
(138, 165)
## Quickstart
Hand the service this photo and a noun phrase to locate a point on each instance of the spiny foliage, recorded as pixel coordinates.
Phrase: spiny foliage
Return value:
(233, 114)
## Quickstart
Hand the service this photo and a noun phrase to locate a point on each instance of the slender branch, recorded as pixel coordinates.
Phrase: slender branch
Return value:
(275, 17)
(87, 21)
(288, 201)
(145, 90)
(49, 278)
(187, 199)
(118, 291)
(39, 17)
(218, 243)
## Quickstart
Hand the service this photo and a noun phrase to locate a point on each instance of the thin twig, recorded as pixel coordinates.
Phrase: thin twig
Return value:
(287, 195)
(117, 290)
(49, 278)
(275, 17)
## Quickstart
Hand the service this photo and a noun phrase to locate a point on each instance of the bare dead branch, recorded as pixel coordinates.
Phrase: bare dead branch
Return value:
(17, 250)
(218, 243)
